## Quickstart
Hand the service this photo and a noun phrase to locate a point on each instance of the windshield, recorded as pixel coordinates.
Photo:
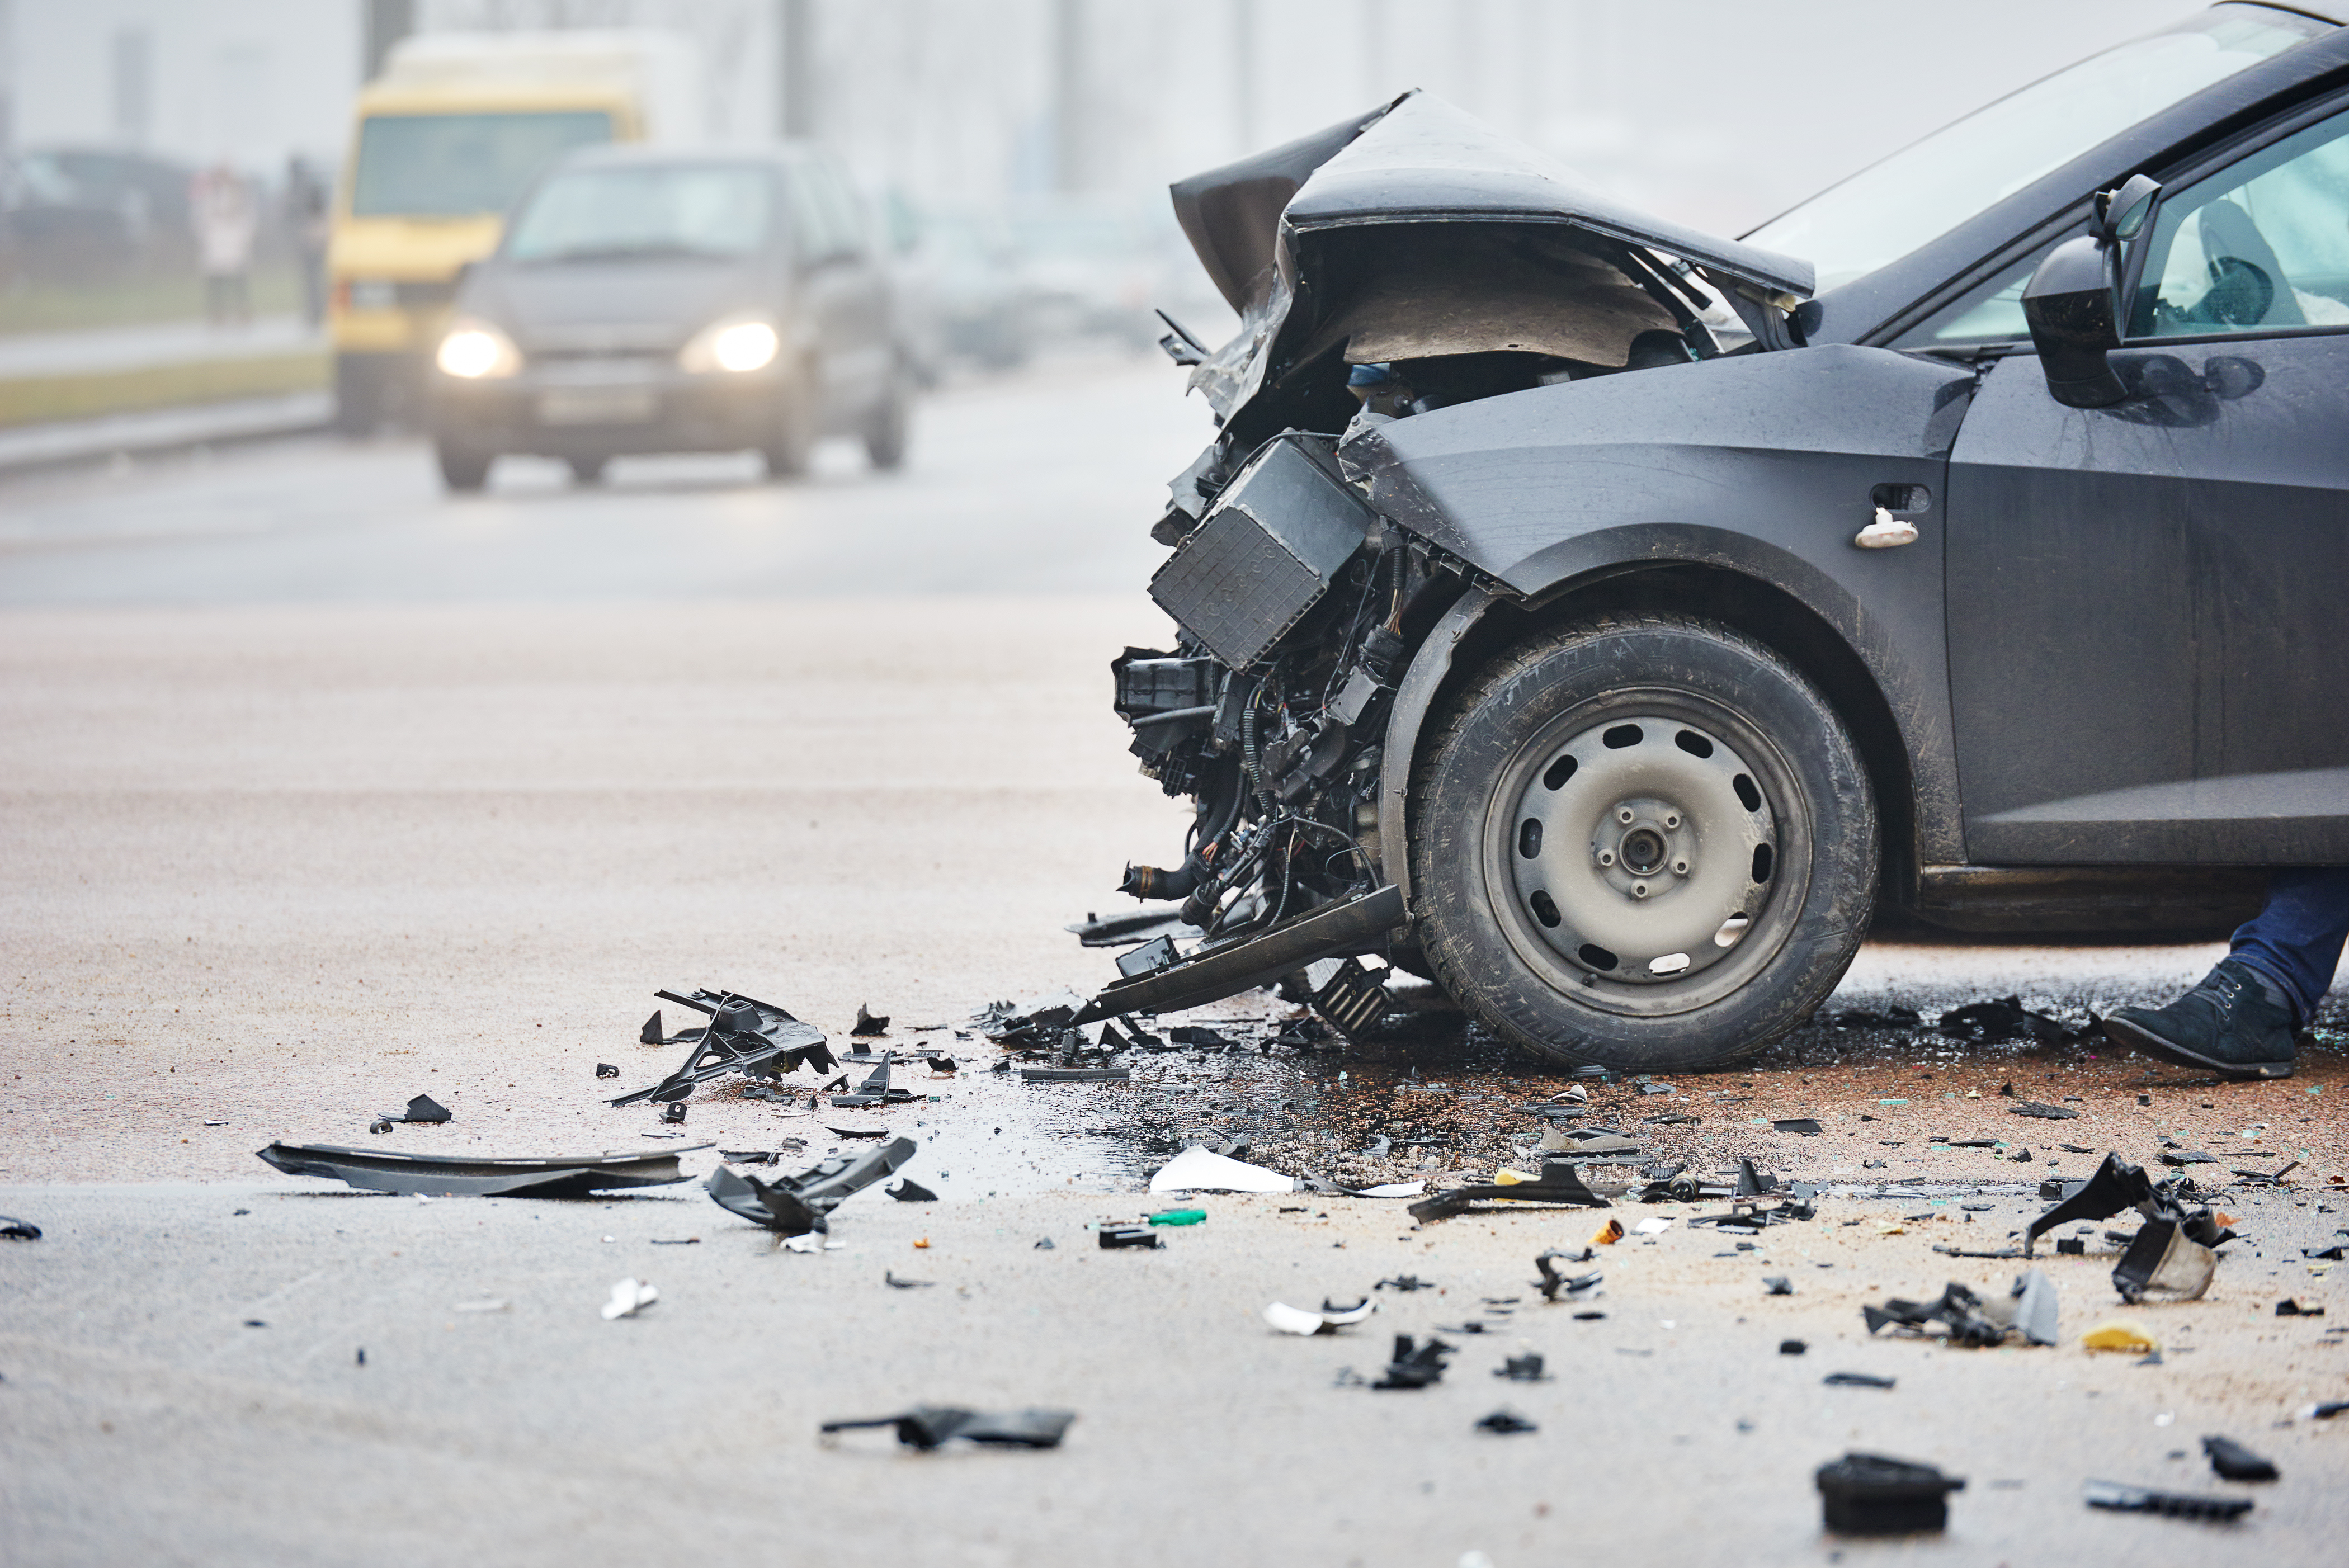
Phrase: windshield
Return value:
(1920, 193)
(644, 211)
(461, 165)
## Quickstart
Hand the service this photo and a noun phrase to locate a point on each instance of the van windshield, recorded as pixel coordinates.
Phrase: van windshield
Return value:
(1916, 195)
(680, 210)
(461, 165)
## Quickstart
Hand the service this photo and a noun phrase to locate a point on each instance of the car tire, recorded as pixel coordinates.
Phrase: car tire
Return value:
(1593, 802)
(358, 396)
(587, 470)
(462, 469)
(792, 440)
(888, 433)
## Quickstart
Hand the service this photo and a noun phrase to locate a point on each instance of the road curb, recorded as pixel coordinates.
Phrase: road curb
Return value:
(33, 447)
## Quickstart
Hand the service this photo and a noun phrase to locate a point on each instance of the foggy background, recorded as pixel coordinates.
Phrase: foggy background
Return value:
(1714, 113)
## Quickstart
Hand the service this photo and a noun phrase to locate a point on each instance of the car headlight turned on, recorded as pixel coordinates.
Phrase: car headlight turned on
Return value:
(476, 351)
(737, 346)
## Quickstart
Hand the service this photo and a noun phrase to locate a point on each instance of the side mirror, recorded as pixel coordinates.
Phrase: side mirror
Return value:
(2073, 303)
(2121, 214)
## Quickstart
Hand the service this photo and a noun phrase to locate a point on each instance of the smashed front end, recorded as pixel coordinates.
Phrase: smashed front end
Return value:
(1408, 261)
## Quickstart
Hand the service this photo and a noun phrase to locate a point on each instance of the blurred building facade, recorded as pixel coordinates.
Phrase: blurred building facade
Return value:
(1694, 109)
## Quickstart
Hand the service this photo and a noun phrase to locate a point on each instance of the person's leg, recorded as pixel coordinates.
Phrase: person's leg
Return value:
(2296, 938)
(2242, 1018)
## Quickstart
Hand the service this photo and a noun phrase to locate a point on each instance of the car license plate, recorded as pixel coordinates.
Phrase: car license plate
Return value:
(596, 406)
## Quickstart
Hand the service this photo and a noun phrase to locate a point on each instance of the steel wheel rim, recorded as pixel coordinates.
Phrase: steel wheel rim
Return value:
(1692, 916)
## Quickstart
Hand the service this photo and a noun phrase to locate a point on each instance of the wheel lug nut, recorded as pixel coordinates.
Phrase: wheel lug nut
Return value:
(1638, 890)
(1672, 820)
(1606, 857)
(1624, 815)
(1679, 868)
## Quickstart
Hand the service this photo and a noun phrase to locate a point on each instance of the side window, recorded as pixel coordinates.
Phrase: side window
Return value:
(1991, 312)
(2261, 245)
(847, 213)
(814, 231)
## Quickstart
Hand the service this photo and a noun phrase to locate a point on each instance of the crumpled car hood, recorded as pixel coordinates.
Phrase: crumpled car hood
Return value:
(1417, 161)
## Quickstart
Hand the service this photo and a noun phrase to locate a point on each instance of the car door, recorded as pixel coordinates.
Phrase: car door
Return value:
(2146, 658)
(839, 289)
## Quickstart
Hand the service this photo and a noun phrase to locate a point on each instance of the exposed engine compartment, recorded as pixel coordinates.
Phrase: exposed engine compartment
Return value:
(1411, 261)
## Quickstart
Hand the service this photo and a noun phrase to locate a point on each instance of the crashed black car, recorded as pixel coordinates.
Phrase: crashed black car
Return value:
(1608, 621)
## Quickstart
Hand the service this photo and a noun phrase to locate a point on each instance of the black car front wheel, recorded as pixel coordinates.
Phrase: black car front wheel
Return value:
(1643, 841)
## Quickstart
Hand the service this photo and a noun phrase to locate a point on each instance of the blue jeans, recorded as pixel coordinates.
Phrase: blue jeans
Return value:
(2295, 939)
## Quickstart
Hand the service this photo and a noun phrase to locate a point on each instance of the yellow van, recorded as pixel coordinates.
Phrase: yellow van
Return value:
(452, 132)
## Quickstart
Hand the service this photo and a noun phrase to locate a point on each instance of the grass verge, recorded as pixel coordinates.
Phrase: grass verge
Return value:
(37, 400)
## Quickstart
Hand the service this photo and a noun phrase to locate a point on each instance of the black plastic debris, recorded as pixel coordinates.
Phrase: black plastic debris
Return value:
(1672, 1118)
(1043, 1244)
(2187, 1156)
(1803, 1125)
(423, 1109)
(1507, 1423)
(927, 1427)
(1038, 1028)
(2233, 1461)
(2073, 1247)
(1406, 1282)
(1793, 1347)
(2176, 1258)
(1561, 1182)
(1753, 1182)
(1777, 1284)
(1856, 1380)
(889, 1278)
(673, 1112)
(874, 1089)
(1115, 1236)
(795, 1205)
(908, 1190)
(1872, 1494)
(650, 1035)
(943, 1067)
(866, 1025)
(2124, 1499)
(1076, 1075)
(606, 1069)
(1414, 1365)
(457, 1175)
(1868, 1018)
(1989, 1023)
(1200, 1036)
(2327, 1410)
(1555, 1285)
(2289, 1308)
(743, 1035)
(2043, 1112)
(14, 1230)
(2174, 1253)
(1522, 1369)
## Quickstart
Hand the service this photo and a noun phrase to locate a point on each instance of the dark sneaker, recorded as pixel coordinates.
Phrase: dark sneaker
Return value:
(2229, 1024)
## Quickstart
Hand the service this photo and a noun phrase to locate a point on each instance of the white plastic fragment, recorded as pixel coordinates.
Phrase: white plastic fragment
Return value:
(1201, 1169)
(1297, 1320)
(1393, 1190)
(1652, 1226)
(629, 1297)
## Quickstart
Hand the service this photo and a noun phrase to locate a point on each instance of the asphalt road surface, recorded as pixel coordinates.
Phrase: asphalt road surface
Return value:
(322, 790)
